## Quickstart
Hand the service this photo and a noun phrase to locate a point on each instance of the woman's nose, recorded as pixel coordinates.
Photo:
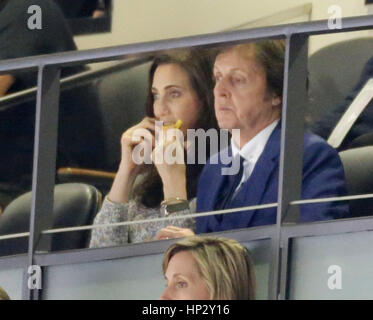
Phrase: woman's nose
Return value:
(165, 295)
(160, 108)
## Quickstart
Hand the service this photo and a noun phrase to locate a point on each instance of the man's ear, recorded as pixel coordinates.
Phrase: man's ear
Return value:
(276, 100)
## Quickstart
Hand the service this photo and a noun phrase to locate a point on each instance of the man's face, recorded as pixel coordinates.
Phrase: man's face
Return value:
(242, 100)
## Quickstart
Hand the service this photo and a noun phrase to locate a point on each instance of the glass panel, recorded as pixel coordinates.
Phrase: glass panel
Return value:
(11, 282)
(347, 257)
(261, 254)
(131, 278)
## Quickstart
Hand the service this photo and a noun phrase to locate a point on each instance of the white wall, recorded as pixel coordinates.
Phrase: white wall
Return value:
(350, 8)
(146, 20)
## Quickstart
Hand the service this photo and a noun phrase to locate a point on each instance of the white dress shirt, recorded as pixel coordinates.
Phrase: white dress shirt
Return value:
(252, 150)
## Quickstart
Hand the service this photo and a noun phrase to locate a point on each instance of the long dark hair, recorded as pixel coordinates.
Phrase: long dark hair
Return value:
(198, 66)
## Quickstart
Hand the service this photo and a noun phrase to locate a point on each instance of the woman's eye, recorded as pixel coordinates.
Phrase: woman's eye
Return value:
(175, 94)
(237, 80)
(155, 96)
(217, 78)
(181, 284)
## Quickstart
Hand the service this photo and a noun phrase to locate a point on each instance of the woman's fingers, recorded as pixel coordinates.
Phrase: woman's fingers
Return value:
(133, 140)
(174, 228)
(140, 132)
(170, 149)
(172, 232)
(164, 234)
(136, 135)
(148, 123)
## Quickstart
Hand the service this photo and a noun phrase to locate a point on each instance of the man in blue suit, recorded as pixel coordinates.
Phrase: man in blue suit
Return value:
(248, 97)
(323, 177)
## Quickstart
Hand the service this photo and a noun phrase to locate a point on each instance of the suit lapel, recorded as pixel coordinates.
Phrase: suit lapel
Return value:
(211, 194)
(267, 162)
(218, 185)
(256, 185)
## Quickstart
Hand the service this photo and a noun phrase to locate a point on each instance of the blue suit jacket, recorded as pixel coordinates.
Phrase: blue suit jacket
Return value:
(323, 176)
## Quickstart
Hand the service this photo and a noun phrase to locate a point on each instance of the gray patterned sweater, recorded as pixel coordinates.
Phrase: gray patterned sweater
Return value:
(132, 210)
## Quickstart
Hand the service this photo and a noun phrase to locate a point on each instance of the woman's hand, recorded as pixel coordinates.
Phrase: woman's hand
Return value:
(130, 139)
(168, 157)
(171, 232)
(128, 169)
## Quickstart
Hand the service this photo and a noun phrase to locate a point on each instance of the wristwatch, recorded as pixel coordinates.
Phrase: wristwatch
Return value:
(173, 205)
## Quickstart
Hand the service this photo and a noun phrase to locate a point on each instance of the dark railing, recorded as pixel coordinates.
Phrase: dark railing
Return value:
(81, 78)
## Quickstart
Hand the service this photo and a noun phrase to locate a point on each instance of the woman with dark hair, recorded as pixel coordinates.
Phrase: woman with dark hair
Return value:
(180, 88)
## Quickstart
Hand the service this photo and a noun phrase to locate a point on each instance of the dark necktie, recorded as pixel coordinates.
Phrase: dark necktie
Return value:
(230, 184)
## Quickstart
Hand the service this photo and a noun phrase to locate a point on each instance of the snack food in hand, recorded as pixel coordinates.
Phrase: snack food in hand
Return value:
(176, 125)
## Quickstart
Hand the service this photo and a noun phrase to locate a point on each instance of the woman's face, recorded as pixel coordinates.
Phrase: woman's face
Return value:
(174, 97)
(183, 279)
(242, 100)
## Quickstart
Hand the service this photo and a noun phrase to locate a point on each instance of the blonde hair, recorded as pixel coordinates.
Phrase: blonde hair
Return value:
(3, 295)
(224, 264)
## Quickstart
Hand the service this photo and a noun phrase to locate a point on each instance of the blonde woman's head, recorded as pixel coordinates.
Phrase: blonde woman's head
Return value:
(208, 268)
(3, 295)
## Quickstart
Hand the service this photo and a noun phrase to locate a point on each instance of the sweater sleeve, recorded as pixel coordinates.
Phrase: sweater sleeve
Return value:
(147, 231)
(111, 212)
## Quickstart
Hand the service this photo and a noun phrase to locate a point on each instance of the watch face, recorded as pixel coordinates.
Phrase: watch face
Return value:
(176, 207)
